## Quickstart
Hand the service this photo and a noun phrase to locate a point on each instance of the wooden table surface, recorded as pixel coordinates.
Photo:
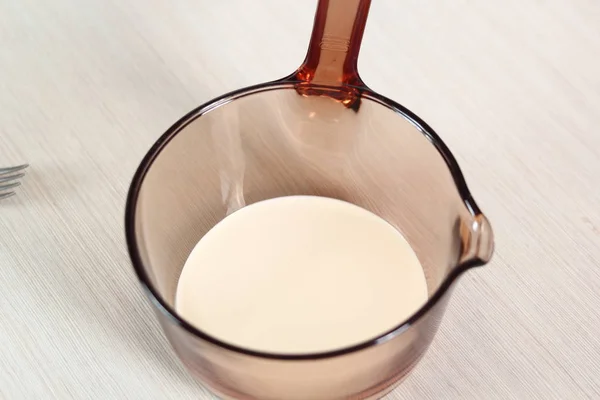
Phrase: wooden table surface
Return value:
(512, 86)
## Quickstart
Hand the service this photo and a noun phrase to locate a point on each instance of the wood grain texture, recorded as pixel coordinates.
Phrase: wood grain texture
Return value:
(86, 87)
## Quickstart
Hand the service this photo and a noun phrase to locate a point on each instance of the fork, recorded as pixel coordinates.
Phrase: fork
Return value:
(9, 179)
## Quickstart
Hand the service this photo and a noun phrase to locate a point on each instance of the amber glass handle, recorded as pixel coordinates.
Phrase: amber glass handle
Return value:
(332, 57)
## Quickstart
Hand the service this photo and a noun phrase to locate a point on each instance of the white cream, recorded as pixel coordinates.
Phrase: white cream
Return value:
(300, 274)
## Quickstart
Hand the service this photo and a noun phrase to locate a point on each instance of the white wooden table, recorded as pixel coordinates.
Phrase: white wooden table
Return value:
(86, 87)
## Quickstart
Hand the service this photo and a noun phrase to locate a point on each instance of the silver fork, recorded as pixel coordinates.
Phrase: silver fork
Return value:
(9, 180)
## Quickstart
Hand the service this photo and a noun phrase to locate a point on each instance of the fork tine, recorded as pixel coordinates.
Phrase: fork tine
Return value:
(11, 177)
(6, 195)
(10, 170)
(9, 186)
(9, 180)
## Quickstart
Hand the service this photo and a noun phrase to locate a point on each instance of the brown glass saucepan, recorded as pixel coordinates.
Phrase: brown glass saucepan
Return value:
(320, 131)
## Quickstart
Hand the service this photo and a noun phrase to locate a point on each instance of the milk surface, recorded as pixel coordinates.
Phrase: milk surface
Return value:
(300, 274)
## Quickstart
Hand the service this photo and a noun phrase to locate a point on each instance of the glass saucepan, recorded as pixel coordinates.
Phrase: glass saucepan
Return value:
(320, 131)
